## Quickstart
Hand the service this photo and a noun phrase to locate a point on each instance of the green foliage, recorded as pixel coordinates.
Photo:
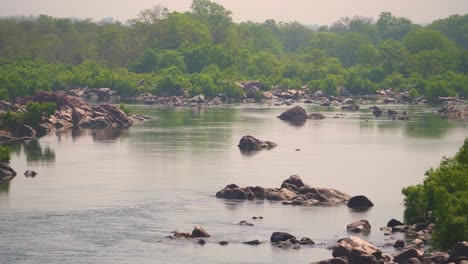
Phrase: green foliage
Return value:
(201, 50)
(5, 154)
(442, 198)
(35, 113)
(124, 108)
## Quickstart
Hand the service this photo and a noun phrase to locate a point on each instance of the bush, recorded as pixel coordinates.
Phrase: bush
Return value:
(5, 155)
(124, 108)
(443, 199)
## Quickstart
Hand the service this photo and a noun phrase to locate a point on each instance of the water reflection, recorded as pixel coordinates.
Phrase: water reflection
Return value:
(98, 135)
(36, 153)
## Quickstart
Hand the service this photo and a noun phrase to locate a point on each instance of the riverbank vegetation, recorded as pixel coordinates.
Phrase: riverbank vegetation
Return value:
(204, 51)
(443, 199)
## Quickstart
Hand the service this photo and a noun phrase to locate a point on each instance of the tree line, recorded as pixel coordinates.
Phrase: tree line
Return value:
(204, 51)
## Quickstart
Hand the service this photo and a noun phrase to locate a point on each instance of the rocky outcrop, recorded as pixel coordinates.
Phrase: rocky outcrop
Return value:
(408, 254)
(393, 222)
(295, 115)
(317, 116)
(249, 143)
(291, 192)
(356, 250)
(454, 112)
(6, 172)
(361, 226)
(359, 201)
(389, 114)
(459, 251)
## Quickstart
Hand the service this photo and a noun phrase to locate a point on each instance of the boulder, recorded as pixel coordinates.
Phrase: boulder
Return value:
(6, 172)
(223, 243)
(293, 180)
(407, 254)
(280, 195)
(399, 244)
(249, 143)
(376, 111)
(296, 114)
(393, 222)
(460, 249)
(333, 261)
(25, 131)
(439, 257)
(359, 201)
(245, 223)
(354, 248)
(232, 191)
(277, 237)
(199, 231)
(199, 99)
(361, 226)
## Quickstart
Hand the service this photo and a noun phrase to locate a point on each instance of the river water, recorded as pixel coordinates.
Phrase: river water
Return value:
(111, 196)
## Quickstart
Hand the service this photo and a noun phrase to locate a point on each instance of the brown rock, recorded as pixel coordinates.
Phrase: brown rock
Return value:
(199, 231)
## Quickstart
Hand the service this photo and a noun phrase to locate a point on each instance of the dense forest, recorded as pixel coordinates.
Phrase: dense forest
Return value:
(204, 51)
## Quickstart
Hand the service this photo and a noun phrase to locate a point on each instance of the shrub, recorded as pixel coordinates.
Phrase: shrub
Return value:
(442, 198)
(5, 154)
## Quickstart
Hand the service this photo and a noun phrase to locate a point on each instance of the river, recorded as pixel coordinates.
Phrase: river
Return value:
(112, 196)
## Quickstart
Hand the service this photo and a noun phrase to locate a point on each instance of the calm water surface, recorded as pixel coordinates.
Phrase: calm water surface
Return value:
(112, 196)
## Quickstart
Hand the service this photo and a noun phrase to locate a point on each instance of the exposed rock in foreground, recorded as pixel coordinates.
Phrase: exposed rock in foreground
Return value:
(356, 250)
(291, 192)
(6, 172)
(361, 226)
(249, 143)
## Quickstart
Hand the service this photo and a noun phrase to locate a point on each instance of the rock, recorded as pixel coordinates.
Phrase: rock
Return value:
(393, 222)
(332, 261)
(376, 111)
(201, 242)
(25, 131)
(354, 248)
(400, 228)
(439, 257)
(413, 261)
(350, 107)
(277, 237)
(359, 201)
(293, 180)
(295, 115)
(306, 241)
(308, 101)
(359, 227)
(245, 223)
(232, 191)
(249, 143)
(280, 195)
(199, 99)
(460, 249)
(316, 116)
(30, 173)
(267, 95)
(6, 172)
(284, 244)
(399, 244)
(223, 243)
(252, 242)
(389, 100)
(419, 226)
(199, 231)
(407, 254)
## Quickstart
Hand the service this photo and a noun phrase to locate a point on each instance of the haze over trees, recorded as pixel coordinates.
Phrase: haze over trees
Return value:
(204, 51)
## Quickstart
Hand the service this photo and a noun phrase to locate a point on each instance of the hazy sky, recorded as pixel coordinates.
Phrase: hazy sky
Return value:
(305, 11)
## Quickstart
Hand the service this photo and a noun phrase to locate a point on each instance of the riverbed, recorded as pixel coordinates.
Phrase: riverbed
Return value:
(112, 196)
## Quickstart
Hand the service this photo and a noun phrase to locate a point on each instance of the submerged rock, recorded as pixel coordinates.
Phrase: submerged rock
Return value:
(30, 173)
(249, 143)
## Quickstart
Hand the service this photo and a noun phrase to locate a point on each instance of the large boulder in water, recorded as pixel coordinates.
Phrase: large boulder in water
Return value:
(6, 172)
(293, 180)
(277, 237)
(249, 143)
(359, 201)
(295, 115)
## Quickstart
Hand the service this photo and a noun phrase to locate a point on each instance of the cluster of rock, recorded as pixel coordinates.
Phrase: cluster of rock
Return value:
(198, 100)
(73, 112)
(286, 240)
(95, 94)
(197, 232)
(453, 112)
(291, 192)
(297, 115)
(389, 114)
(357, 251)
(249, 143)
